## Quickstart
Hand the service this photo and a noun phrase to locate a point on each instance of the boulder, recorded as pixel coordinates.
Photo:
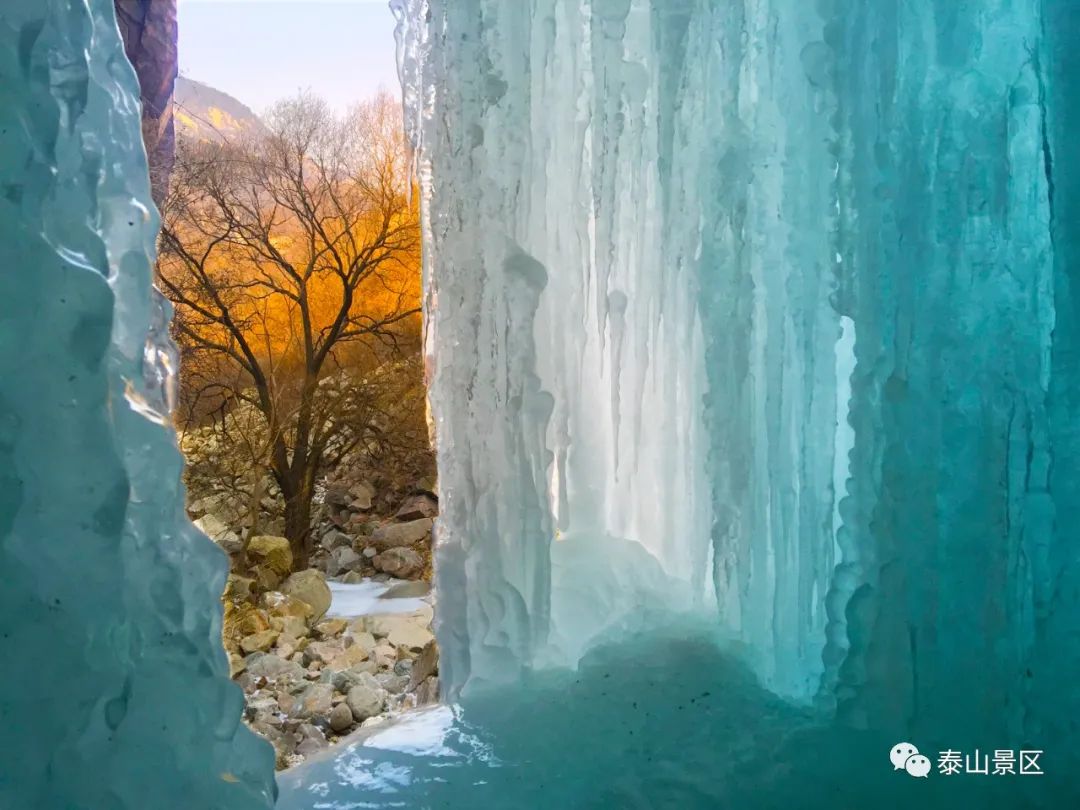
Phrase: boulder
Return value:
(215, 528)
(310, 588)
(428, 691)
(282, 605)
(315, 701)
(353, 578)
(343, 681)
(366, 699)
(312, 740)
(407, 590)
(385, 655)
(393, 684)
(238, 588)
(359, 634)
(328, 628)
(324, 651)
(362, 494)
(334, 539)
(426, 486)
(410, 636)
(241, 619)
(382, 625)
(417, 507)
(265, 665)
(341, 718)
(425, 665)
(403, 563)
(337, 494)
(352, 656)
(402, 535)
(259, 642)
(341, 561)
(284, 744)
(289, 626)
(237, 665)
(271, 559)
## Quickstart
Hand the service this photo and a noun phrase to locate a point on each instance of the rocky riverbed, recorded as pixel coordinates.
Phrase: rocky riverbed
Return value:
(318, 664)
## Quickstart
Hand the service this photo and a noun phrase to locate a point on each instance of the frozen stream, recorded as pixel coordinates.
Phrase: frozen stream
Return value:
(371, 597)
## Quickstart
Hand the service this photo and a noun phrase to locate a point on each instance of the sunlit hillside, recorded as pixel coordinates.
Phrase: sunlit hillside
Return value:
(207, 114)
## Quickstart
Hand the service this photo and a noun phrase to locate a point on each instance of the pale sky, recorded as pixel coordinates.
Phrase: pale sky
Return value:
(262, 50)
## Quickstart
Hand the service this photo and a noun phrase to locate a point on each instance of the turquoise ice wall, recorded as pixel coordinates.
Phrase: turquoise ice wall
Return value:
(796, 273)
(759, 310)
(114, 688)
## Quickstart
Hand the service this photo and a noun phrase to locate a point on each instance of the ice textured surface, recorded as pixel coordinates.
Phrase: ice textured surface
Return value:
(114, 688)
(763, 311)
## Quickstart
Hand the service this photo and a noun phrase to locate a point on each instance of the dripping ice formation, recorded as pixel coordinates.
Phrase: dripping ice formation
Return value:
(757, 309)
(762, 314)
(114, 687)
(753, 341)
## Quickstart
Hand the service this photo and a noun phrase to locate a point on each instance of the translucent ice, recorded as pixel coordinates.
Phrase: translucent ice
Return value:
(762, 311)
(755, 367)
(114, 688)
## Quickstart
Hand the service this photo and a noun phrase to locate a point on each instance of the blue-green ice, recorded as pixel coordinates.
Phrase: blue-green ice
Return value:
(755, 350)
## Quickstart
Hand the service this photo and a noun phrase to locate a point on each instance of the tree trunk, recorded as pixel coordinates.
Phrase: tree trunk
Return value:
(298, 522)
(258, 473)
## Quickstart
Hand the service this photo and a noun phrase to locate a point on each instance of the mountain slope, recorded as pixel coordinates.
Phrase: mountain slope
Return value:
(205, 113)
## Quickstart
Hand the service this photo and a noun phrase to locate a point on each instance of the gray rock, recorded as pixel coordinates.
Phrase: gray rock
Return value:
(323, 651)
(342, 560)
(341, 718)
(428, 692)
(402, 535)
(284, 744)
(418, 507)
(316, 700)
(263, 665)
(426, 486)
(331, 628)
(407, 590)
(425, 665)
(353, 578)
(334, 539)
(215, 528)
(310, 588)
(366, 699)
(403, 563)
(362, 495)
(393, 684)
(344, 680)
(370, 552)
(312, 740)
(337, 494)
(410, 636)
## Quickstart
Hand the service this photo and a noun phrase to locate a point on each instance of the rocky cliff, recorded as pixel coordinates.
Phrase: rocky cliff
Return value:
(150, 40)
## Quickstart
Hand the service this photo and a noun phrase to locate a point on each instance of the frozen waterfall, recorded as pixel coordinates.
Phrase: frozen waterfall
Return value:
(760, 309)
(760, 312)
(755, 360)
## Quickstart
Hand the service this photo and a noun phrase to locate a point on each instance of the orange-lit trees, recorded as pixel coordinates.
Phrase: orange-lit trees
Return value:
(293, 262)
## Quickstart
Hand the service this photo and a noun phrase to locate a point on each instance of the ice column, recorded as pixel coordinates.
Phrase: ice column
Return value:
(767, 302)
(114, 688)
(567, 347)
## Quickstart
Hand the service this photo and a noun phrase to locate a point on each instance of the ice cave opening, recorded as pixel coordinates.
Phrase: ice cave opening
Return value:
(754, 378)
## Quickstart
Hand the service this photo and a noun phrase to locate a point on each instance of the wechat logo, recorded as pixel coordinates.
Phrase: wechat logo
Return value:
(906, 757)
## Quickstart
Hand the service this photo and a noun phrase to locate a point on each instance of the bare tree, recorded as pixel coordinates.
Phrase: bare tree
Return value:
(290, 257)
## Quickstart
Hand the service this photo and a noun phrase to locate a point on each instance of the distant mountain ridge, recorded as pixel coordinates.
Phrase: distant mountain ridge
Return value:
(207, 114)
